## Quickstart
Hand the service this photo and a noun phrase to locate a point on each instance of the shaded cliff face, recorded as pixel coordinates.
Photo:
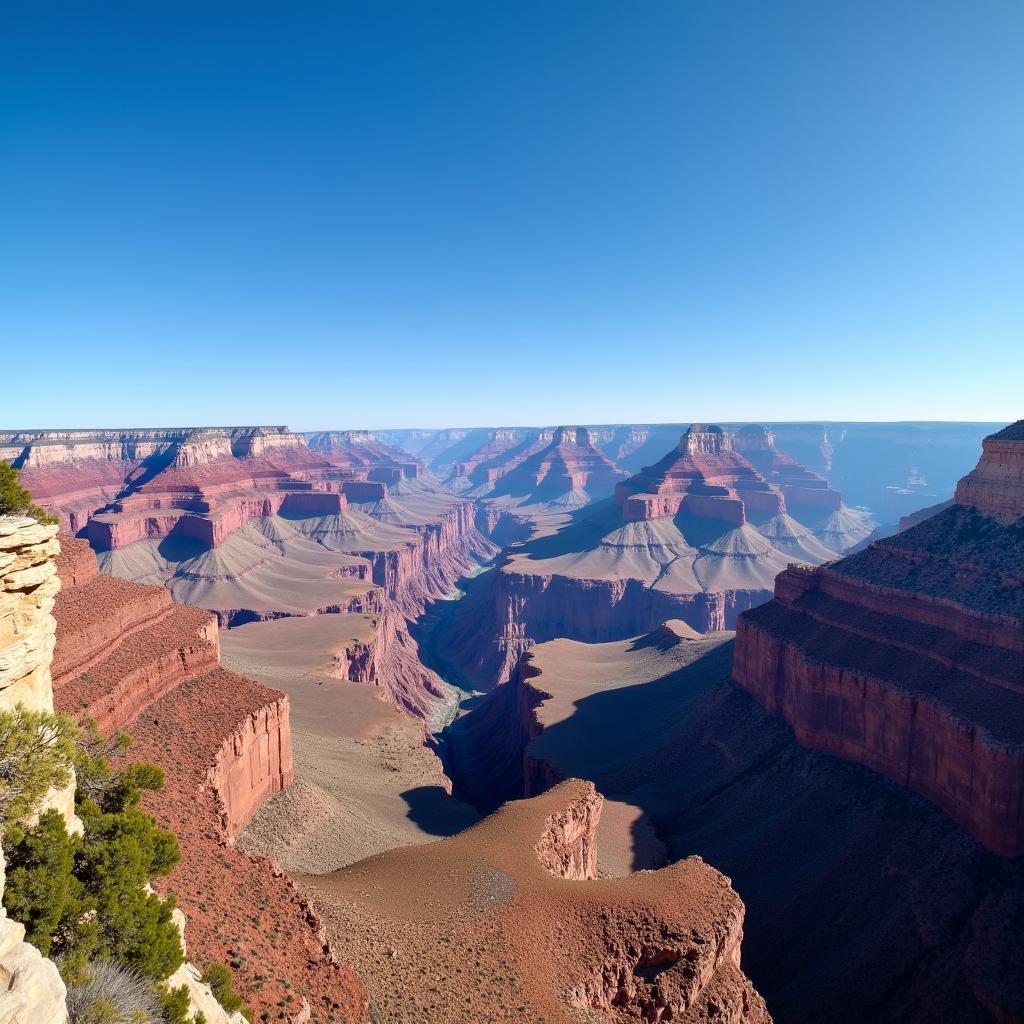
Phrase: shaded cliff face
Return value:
(548, 941)
(908, 656)
(919, 921)
(129, 657)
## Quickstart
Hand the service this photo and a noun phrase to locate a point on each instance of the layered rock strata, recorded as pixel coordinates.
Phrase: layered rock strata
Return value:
(809, 497)
(557, 471)
(548, 941)
(909, 656)
(699, 536)
(29, 585)
(257, 523)
(31, 989)
(129, 657)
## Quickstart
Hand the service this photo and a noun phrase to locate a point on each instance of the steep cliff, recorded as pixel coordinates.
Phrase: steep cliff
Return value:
(918, 920)
(29, 585)
(909, 656)
(132, 659)
(31, 990)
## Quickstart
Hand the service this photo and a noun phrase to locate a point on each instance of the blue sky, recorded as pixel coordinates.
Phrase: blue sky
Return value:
(436, 213)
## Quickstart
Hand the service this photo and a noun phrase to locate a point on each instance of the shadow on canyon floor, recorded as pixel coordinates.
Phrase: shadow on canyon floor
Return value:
(864, 901)
(433, 810)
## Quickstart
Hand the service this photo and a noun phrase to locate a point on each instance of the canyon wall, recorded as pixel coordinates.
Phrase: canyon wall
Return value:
(133, 659)
(908, 657)
(31, 990)
(253, 763)
(29, 585)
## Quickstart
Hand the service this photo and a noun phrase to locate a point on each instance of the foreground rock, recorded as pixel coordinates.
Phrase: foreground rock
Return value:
(505, 922)
(31, 988)
(909, 656)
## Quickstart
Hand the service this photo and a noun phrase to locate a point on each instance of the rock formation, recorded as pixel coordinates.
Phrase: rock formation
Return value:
(918, 921)
(129, 657)
(31, 990)
(698, 536)
(485, 464)
(552, 471)
(28, 589)
(545, 940)
(908, 656)
(255, 523)
(809, 498)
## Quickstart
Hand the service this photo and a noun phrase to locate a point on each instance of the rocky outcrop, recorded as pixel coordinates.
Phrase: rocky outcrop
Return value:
(215, 736)
(699, 536)
(996, 486)
(121, 646)
(390, 659)
(28, 590)
(549, 941)
(907, 656)
(706, 476)
(567, 847)
(31, 989)
(253, 763)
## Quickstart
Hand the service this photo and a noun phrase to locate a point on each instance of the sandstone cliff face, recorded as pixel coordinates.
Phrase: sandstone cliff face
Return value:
(907, 656)
(996, 486)
(253, 763)
(28, 588)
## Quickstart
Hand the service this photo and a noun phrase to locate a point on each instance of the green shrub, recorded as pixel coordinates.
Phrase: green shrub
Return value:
(37, 750)
(218, 977)
(174, 1005)
(85, 896)
(39, 877)
(15, 500)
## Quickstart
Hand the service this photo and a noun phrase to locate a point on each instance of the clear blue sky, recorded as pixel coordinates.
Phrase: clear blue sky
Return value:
(433, 213)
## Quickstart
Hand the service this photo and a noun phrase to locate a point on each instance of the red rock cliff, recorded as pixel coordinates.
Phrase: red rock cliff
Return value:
(909, 656)
(253, 763)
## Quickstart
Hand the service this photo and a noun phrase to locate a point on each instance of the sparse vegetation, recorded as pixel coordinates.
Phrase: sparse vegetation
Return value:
(37, 751)
(15, 500)
(84, 898)
(107, 992)
(218, 977)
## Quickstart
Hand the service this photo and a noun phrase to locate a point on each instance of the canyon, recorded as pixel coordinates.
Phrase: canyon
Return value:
(699, 535)
(351, 650)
